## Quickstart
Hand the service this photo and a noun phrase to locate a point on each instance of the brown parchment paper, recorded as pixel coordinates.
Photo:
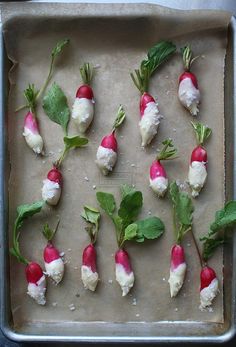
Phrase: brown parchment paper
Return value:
(116, 37)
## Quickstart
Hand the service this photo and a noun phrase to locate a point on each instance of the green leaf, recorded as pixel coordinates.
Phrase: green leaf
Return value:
(202, 132)
(48, 233)
(91, 215)
(119, 118)
(130, 207)
(150, 228)
(56, 107)
(107, 202)
(210, 245)
(225, 218)
(23, 212)
(131, 232)
(86, 72)
(75, 142)
(167, 153)
(59, 47)
(30, 94)
(125, 190)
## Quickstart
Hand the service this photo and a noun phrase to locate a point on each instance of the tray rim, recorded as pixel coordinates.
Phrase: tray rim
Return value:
(6, 328)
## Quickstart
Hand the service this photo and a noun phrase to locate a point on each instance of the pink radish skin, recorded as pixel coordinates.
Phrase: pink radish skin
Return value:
(36, 282)
(110, 142)
(158, 178)
(89, 273)
(208, 287)
(188, 92)
(85, 91)
(51, 190)
(199, 154)
(107, 153)
(31, 133)
(124, 273)
(150, 118)
(53, 262)
(177, 270)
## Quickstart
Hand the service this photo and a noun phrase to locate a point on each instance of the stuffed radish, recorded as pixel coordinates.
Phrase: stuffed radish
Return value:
(149, 112)
(89, 274)
(53, 262)
(31, 128)
(34, 274)
(198, 164)
(127, 229)
(158, 178)
(107, 151)
(182, 209)
(36, 282)
(52, 186)
(189, 94)
(83, 107)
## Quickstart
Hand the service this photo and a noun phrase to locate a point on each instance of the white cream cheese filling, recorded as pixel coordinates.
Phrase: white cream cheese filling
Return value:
(51, 192)
(89, 278)
(37, 291)
(149, 123)
(197, 177)
(34, 141)
(159, 185)
(125, 280)
(208, 294)
(189, 95)
(55, 270)
(82, 113)
(106, 159)
(176, 279)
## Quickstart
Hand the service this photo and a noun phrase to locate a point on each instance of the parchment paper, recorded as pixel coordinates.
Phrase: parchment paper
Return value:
(116, 37)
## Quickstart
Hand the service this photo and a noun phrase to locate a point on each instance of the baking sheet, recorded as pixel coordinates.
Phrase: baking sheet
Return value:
(116, 49)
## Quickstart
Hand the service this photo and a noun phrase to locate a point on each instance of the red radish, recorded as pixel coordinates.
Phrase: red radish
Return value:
(209, 287)
(177, 269)
(107, 151)
(36, 282)
(188, 92)
(182, 220)
(197, 169)
(158, 177)
(31, 129)
(89, 274)
(150, 117)
(52, 185)
(53, 262)
(83, 108)
(124, 273)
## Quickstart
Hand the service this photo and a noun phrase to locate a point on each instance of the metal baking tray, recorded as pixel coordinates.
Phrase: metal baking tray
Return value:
(164, 332)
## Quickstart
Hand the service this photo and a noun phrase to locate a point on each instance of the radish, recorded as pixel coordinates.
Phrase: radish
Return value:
(158, 177)
(89, 274)
(31, 133)
(83, 108)
(209, 286)
(150, 117)
(177, 269)
(33, 271)
(124, 272)
(36, 282)
(53, 262)
(182, 218)
(107, 151)
(52, 186)
(128, 230)
(197, 169)
(31, 128)
(189, 94)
